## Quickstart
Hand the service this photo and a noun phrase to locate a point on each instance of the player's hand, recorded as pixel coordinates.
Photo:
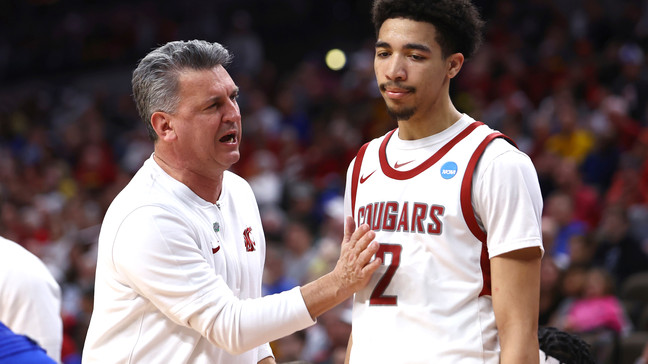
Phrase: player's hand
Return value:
(355, 267)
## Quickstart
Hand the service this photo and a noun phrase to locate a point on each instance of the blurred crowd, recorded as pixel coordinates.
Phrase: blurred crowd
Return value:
(568, 81)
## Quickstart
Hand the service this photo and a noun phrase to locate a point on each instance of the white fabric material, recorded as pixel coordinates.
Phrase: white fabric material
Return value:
(178, 282)
(546, 359)
(30, 298)
(439, 315)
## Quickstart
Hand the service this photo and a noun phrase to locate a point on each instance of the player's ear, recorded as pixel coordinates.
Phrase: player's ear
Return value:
(163, 125)
(454, 63)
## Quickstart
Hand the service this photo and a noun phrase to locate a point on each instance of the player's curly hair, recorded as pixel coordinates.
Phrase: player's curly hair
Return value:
(457, 22)
(565, 347)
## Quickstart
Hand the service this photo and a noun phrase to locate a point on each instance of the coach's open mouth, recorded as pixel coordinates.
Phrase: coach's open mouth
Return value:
(229, 138)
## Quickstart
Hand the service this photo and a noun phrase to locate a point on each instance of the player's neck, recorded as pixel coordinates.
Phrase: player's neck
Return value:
(427, 123)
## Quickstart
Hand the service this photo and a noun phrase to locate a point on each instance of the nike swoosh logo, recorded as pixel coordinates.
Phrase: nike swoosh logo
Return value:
(398, 165)
(363, 179)
(214, 250)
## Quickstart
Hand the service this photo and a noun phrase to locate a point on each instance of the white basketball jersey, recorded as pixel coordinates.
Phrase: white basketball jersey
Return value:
(430, 300)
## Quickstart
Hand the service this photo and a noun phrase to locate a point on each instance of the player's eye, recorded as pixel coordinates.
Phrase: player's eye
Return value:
(382, 54)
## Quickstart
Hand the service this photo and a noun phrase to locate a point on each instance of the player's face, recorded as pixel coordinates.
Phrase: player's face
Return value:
(207, 120)
(410, 70)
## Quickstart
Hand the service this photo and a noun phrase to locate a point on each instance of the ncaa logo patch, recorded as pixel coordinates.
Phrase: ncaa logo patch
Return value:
(449, 170)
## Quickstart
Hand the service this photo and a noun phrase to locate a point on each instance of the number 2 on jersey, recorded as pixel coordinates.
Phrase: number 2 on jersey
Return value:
(377, 295)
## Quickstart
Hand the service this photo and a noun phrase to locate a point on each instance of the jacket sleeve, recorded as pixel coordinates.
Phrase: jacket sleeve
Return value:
(167, 267)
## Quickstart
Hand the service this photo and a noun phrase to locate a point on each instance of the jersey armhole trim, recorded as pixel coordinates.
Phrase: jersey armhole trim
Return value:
(469, 213)
(355, 176)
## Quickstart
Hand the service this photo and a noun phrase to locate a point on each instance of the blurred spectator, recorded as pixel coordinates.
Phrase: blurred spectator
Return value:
(598, 308)
(572, 140)
(550, 293)
(585, 199)
(299, 251)
(560, 207)
(549, 232)
(263, 120)
(265, 179)
(600, 164)
(630, 84)
(300, 204)
(275, 279)
(335, 329)
(572, 286)
(625, 189)
(581, 249)
(245, 44)
(598, 316)
(617, 250)
(327, 242)
(289, 348)
(624, 128)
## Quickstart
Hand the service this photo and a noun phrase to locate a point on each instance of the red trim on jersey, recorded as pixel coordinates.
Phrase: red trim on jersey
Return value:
(402, 175)
(354, 177)
(469, 213)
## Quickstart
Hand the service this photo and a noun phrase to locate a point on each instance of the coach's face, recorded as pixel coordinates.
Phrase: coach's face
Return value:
(207, 120)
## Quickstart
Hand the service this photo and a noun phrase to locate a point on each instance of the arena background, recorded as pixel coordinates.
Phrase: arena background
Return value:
(566, 80)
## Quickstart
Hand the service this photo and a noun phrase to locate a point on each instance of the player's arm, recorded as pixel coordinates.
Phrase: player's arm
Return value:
(516, 293)
(508, 200)
(509, 203)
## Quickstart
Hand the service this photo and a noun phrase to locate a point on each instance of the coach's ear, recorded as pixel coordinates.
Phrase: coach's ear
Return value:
(163, 124)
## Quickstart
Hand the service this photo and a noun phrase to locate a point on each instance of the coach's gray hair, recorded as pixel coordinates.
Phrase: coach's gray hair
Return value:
(155, 80)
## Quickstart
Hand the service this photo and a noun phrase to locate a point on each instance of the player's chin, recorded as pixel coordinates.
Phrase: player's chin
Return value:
(401, 112)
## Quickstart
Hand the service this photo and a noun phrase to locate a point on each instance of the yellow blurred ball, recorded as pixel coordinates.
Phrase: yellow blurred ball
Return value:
(335, 59)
